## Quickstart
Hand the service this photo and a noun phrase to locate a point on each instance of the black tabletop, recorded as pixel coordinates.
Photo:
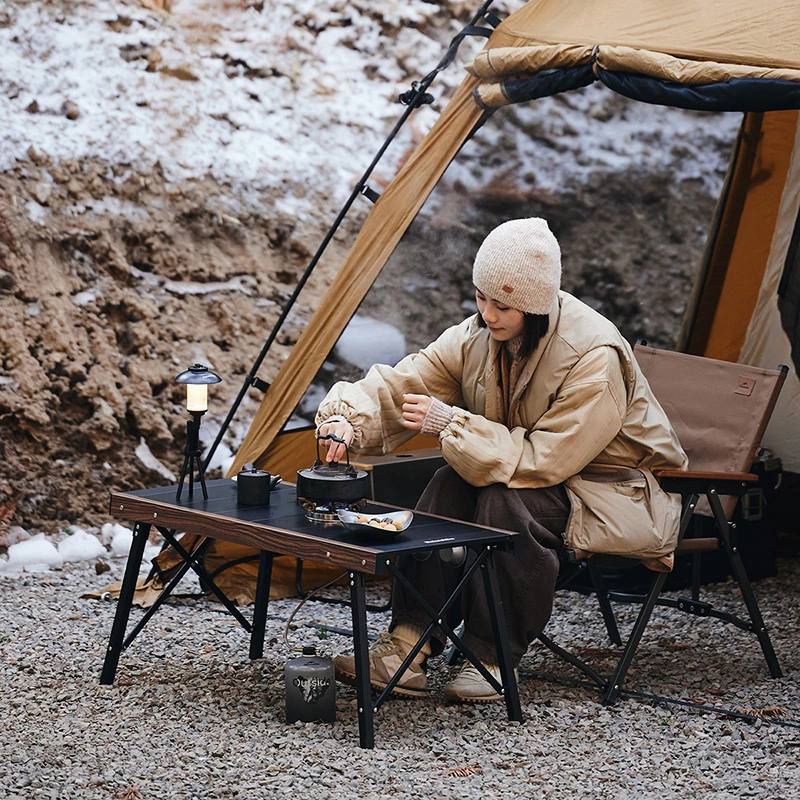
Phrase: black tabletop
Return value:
(282, 526)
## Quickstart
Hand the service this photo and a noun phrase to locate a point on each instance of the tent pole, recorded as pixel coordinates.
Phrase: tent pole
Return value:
(414, 98)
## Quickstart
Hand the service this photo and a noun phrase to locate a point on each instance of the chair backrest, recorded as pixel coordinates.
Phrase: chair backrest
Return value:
(719, 409)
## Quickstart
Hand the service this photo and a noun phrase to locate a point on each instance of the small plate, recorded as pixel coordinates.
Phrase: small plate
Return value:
(349, 519)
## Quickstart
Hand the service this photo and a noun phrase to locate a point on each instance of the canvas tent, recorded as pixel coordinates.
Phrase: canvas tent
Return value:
(724, 55)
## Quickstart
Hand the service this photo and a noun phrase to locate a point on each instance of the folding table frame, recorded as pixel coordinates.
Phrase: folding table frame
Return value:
(282, 528)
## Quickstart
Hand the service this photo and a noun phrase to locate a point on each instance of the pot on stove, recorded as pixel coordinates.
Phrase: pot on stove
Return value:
(334, 483)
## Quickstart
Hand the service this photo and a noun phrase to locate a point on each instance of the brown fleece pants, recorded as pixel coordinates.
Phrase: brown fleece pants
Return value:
(527, 577)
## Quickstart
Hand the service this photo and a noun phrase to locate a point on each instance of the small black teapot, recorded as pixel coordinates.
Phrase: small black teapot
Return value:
(254, 485)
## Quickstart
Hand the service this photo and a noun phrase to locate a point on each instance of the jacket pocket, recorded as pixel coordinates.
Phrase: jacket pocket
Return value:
(623, 513)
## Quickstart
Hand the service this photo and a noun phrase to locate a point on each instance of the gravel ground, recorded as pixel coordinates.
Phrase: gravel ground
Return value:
(190, 716)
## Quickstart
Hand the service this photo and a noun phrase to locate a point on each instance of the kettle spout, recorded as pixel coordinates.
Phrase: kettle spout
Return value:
(274, 481)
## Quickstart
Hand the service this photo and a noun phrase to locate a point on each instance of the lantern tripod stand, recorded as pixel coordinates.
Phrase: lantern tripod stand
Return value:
(191, 458)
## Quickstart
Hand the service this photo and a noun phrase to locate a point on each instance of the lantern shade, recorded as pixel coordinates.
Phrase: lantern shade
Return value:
(198, 374)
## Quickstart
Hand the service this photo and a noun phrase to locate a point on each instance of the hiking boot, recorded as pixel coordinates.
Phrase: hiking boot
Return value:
(385, 657)
(469, 686)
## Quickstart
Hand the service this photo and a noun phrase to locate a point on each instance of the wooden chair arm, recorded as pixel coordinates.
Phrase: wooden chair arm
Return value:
(744, 477)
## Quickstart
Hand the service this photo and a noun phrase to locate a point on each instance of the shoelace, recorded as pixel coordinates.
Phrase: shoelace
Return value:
(385, 645)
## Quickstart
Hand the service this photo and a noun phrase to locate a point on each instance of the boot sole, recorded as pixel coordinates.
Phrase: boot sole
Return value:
(350, 680)
(456, 698)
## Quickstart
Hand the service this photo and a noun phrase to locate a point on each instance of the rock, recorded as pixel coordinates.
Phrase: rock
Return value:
(6, 281)
(32, 107)
(154, 59)
(40, 159)
(100, 567)
(182, 73)
(41, 191)
(70, 110)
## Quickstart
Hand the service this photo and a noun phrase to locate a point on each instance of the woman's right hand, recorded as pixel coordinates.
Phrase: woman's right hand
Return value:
(344, 430)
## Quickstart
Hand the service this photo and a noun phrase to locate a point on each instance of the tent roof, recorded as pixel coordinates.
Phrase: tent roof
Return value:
(711, 55)
(756, 32)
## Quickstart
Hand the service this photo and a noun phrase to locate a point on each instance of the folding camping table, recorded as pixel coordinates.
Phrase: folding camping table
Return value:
(282, 528)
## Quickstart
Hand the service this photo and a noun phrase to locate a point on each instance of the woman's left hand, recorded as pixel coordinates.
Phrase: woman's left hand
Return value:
(415, 408)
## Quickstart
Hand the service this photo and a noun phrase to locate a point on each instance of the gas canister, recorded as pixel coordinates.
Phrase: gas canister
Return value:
(310, 688)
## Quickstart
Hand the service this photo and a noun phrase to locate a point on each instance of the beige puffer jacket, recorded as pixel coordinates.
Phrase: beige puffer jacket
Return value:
(582, 414)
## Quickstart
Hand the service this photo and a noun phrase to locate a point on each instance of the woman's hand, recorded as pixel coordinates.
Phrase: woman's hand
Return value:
(344, 430)
(415, 408)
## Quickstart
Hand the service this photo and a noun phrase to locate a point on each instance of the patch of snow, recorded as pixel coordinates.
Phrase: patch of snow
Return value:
(366, 341)
(34, 554)
(223, 453)
(84, 298)
(16, 533)
(117, 537)
(36, 212)
(290, 97)
(226, 464)
(250, 87)
(80, 545)
(149, 460)
(116, 207)
(562, 140)
(237, 284)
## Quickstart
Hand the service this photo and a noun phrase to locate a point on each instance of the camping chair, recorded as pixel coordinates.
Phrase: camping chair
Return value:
(719, 411)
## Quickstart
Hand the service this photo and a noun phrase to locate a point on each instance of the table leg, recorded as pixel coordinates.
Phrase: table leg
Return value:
(261, 604)
(141, 531)
(366, 734)
(510, 690)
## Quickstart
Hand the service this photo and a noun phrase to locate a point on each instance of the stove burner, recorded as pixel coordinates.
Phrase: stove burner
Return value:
(325, 513)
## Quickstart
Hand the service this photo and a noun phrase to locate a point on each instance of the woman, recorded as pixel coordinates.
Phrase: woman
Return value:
(548, 429)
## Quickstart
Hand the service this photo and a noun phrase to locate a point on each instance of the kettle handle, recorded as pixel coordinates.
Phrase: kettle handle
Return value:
(335, 439)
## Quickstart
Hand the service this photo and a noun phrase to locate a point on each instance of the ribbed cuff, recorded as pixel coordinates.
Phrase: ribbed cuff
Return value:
(334, 418)
(438, 418)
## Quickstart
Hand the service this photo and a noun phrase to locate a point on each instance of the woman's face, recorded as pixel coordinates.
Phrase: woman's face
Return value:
(503, 322)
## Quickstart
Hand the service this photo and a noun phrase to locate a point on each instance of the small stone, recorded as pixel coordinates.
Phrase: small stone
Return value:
(100, 567)
(32, 107)
(70, 110)
(42, 192)
(40, 159)
(154, 59)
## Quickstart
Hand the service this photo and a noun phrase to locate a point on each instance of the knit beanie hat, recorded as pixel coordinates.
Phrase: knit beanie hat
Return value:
(519, 264)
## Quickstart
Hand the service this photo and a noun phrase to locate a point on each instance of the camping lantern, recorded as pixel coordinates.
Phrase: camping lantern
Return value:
(197, 379)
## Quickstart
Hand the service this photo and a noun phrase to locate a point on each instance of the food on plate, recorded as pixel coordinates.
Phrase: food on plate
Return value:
(386, 523)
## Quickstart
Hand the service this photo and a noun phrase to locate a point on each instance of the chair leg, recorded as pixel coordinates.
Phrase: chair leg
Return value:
(614, 685)
(697, 561)
(601, 591)
(759, 628)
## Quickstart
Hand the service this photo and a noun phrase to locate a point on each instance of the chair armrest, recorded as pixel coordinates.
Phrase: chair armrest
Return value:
(745, 477)
(685, 481)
